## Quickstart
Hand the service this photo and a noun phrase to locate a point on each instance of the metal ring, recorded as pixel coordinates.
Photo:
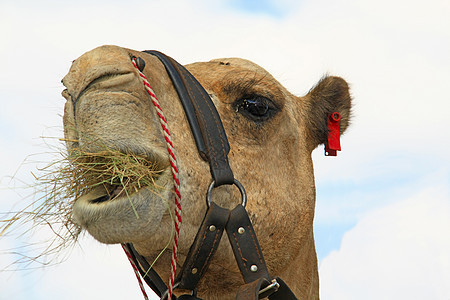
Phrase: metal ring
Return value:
(236, 183)
(166, 293)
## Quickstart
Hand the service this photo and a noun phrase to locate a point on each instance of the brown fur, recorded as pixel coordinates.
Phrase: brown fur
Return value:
(272, 159)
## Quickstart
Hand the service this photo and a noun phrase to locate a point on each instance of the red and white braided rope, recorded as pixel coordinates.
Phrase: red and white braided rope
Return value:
(173, 164)
(135, 269)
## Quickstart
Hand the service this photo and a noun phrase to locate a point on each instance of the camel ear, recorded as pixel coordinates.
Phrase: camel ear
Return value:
(331, 94)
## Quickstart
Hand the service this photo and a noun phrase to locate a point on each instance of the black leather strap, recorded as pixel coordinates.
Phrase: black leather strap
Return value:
(245, 246)
(204, 246)
(150, 276)
(253, 290)
(283, 292)
(203, 118)
(250, 291)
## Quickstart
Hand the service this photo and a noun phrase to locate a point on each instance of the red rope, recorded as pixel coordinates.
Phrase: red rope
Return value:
(173, 164)
(135, 269)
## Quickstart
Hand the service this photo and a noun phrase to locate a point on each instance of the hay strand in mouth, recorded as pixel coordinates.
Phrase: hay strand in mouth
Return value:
(72, 174)
(120, 174)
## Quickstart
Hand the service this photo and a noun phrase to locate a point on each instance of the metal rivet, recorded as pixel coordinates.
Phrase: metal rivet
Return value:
(194, 271)
(212, 228)
(140, 63)
(253, 268)
(241, 230)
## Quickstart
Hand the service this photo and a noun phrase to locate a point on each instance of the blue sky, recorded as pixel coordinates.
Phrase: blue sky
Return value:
(266, 7)
(393, 173)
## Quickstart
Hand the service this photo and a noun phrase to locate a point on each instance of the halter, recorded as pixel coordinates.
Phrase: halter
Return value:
(213, 147)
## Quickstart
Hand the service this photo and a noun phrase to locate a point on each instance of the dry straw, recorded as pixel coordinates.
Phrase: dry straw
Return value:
(75, 173)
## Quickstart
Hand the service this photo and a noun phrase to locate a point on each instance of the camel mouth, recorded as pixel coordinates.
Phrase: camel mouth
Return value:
(118, 185)
(110, 175)
(108, 192)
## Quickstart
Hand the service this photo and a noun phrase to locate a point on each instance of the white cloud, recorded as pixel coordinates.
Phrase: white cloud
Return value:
(93, 271)
(99, 272)
(400, 251)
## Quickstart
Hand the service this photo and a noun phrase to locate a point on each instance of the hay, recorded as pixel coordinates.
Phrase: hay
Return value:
(121, 174)
(71, 175)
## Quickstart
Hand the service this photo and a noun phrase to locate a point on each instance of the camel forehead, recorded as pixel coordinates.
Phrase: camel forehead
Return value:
(235, 64)
(239, 62)
(237, 77)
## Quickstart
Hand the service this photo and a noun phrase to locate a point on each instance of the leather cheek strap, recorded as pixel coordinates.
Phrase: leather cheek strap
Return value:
(204, 246)
(203, 118)
(243, 241)
(250, 291)
(251, 262)
(283, 292)
(245, 246)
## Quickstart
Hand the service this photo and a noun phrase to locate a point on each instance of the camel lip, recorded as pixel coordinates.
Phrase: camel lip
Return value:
(122, 184)
(106, 193)
(101, 199)
(111, 195)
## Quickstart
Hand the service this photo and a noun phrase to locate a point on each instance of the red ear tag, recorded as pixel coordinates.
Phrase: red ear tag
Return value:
(334, 142)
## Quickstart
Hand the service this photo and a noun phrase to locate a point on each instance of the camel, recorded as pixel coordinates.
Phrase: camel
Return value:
(271, 134)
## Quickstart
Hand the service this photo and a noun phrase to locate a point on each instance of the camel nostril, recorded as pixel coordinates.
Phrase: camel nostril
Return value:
(65, 94)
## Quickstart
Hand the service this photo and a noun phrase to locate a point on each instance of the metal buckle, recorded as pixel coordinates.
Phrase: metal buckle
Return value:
(236, 183)
(267, 290)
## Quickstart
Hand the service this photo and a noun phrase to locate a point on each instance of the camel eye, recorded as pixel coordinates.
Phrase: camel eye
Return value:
(257, 108)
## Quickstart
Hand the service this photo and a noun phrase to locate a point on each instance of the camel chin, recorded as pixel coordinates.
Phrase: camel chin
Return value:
(124, 218)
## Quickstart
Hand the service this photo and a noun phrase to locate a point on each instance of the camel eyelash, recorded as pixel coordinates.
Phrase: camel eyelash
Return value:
(256, 108)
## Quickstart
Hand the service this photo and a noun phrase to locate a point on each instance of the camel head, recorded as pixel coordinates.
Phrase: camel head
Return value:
(271, 134)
